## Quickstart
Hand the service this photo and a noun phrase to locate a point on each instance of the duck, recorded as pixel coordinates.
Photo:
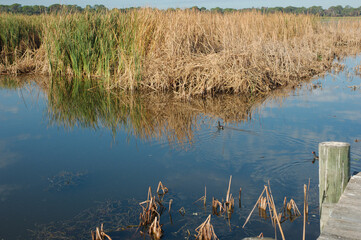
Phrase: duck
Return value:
(220, 126)
(315, 157)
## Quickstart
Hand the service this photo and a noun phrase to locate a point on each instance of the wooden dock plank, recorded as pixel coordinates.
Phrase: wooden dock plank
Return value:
(345, 218)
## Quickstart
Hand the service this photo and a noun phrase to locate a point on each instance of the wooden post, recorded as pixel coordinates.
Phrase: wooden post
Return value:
(334, 173)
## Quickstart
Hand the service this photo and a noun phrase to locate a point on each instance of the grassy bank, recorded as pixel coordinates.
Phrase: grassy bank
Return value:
(187, 52)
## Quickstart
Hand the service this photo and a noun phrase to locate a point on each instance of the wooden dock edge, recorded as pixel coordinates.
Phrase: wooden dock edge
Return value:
(344, 217)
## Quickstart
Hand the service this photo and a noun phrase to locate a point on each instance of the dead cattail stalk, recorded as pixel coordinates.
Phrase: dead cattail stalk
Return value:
(162, 187)
(264, 189)
(304, 210)
(229, 204)
(262, 204)
(170, 205)
(215, 204)
(273, 206)
(204, 198)
(99, 234)
(149, 208)
(307, 194)
(182, 211)
(205, 195)
(155, 229)
(284, 204)
(293, 209)
(229, 188)
(205, 231)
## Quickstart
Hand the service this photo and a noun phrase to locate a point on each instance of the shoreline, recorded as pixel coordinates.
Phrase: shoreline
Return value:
(235, 53)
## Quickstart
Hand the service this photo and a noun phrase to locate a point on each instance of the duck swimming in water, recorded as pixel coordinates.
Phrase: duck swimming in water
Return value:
(315, 157)
(220, 126)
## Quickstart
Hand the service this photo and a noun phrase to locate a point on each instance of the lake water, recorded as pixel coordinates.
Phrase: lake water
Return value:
(71, 159)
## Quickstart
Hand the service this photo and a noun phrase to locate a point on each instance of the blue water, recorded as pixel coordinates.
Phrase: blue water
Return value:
(272, 143)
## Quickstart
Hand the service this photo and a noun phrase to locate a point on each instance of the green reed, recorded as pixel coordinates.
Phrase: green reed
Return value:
(92, 44)
(18, 34)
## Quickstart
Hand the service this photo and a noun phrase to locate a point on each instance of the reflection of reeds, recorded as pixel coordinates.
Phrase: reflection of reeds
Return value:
(358, 70)
(144, 115)
(147, 115)
(10, 83)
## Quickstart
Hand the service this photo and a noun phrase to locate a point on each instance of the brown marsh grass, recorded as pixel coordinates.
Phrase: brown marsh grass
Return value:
(191, 53)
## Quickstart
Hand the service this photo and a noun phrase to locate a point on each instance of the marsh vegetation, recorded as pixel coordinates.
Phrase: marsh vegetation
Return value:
(187, 52)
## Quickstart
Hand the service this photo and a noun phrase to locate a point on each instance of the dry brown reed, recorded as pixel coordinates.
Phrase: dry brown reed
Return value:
(155, 230)
(152, 209)
(170, 205)
(149, 210)
(161, 187)
(195, 53)
(293, 209)
(263, 203)
(182, 211)
(99, 234)
(200, 53)
(205, 231)
(204, 197)
(224, 206)
(306, 191)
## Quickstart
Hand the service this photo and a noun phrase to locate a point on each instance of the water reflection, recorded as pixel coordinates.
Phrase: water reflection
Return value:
(147, 115)
(62, 129)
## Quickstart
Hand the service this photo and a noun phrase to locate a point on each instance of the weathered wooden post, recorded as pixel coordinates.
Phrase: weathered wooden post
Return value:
(334, 173)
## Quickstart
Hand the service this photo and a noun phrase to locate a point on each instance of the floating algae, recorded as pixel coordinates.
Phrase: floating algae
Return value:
(115, 215)
(64, 180)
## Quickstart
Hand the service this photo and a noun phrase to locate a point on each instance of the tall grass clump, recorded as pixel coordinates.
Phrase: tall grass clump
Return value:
(100, 45)
(20, 38)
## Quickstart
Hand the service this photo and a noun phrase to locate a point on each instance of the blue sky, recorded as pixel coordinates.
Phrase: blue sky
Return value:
(189, 3)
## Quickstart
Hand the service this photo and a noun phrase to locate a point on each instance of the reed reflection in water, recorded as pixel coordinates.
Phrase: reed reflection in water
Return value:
(147, 115)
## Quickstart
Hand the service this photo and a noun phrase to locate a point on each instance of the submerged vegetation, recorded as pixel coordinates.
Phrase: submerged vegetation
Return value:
(156, 218)
(191, 53)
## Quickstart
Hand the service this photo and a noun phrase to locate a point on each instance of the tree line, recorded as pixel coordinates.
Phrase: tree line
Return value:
(334, 11)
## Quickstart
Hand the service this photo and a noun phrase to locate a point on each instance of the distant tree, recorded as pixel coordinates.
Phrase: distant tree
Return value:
(317, 10)
(229, 10)
(55, 8)
(217, 9)
(195, 8)
(290, 9)
(100, 8)
(334, 11)
(15, 8)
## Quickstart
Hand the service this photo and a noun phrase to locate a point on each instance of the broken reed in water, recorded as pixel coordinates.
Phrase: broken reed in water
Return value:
(188, 52)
